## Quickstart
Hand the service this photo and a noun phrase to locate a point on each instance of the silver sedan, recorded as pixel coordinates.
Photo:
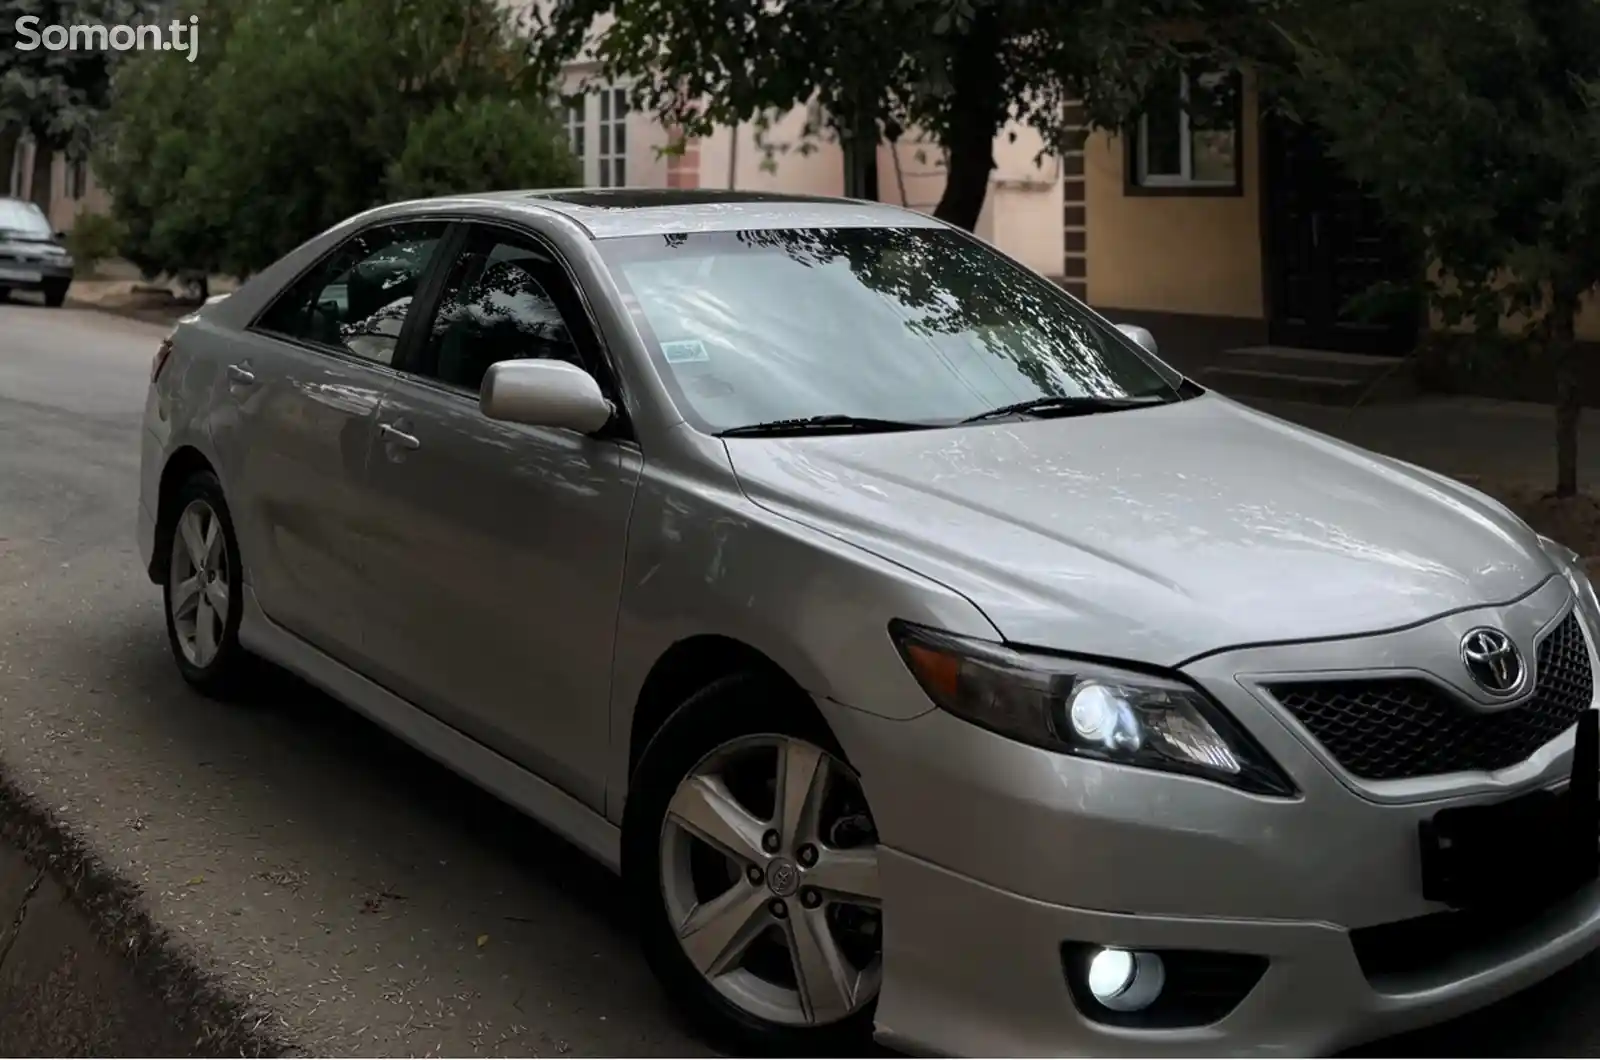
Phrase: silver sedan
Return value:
(930, 658)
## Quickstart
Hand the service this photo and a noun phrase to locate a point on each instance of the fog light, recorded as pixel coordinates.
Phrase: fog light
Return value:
(1125, 981)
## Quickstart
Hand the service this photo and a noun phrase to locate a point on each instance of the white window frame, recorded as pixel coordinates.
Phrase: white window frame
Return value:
(593, 125)
(575, 118)
(611, 119)
(1184, 178)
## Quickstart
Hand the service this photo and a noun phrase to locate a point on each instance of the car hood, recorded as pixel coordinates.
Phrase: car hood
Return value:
(42, 249)
(1157, 534)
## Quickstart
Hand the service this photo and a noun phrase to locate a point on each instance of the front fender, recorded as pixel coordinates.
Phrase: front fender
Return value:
(710, 562)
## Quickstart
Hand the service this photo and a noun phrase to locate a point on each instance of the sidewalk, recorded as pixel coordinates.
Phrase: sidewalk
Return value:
(1464, 437)
(1504, 448)
(123, 293)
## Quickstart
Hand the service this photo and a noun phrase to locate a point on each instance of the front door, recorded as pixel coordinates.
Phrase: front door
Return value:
(1326, 243)
(500, 567)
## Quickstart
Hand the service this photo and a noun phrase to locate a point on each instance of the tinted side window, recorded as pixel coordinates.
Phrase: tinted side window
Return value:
(504, 299)
(358, 298)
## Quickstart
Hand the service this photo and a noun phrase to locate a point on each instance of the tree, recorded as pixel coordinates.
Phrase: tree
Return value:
(1475, 124)
(294, 118)
(150, 138)
(958, 69)
(482, 144)
(54, 97)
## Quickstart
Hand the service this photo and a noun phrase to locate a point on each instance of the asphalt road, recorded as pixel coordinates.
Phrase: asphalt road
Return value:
(369, 901)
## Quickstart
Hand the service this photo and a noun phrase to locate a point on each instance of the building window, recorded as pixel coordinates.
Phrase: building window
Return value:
(613, 153)
(77, 179)
(1187, 139)
(575, 126)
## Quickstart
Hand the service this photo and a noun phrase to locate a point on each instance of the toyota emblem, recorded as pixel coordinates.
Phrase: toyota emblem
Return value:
(1493, 661)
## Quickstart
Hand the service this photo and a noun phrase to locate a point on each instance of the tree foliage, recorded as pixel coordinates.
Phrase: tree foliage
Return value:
(482, 144)
(55, 97)
(1475, 125)
(957, 69)
(296, 116)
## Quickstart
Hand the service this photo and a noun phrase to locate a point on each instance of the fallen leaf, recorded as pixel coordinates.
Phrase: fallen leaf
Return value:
(483, 940)
(197, 880)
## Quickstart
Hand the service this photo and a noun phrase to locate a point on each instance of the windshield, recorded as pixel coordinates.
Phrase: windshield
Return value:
(23, 219)
(909, 324)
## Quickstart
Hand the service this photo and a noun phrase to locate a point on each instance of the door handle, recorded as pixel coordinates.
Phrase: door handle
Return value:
(240, 375)
(393, 435)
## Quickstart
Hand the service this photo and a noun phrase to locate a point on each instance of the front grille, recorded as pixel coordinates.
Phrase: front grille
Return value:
(1395, 728)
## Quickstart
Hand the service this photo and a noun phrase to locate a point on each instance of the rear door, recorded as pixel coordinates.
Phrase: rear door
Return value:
(293, 427)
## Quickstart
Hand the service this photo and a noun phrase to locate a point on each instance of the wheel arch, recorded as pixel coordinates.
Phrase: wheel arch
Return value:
(185, 462)
(687, 666)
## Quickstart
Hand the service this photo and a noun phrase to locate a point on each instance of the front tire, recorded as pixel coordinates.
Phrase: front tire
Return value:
(55, 294)
(750, 854)
(202, 591)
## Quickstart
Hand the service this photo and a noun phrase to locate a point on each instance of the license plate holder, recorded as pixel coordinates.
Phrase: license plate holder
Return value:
(21, 275)
(1535, 846)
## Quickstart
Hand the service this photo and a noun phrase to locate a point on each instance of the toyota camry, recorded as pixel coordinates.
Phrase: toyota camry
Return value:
(931, 659)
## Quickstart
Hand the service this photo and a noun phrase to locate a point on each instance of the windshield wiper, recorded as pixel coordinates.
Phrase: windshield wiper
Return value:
(1049, 407)
(835, 424)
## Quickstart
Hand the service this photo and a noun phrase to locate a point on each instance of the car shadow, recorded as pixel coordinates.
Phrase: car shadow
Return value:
(462, 807)
(1553, 1018)
(1556, 1017)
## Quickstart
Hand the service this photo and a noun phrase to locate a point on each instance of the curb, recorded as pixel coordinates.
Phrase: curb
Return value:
(85, 971)
(162, 316)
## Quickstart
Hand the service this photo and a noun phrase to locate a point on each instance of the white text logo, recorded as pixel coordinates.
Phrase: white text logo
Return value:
(175, 36)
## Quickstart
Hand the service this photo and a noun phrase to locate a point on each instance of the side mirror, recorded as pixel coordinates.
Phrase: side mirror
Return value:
(1141, 336)
(61, 236)
(544, 394)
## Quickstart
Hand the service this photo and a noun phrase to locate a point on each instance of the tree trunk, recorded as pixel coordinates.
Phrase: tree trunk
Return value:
(966, 182)
(43, 170)
(10, 136)
(1569, 396)
(977, 113)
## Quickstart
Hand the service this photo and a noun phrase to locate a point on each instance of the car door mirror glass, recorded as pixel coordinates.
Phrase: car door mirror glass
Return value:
(544, 394)
(1141, 337)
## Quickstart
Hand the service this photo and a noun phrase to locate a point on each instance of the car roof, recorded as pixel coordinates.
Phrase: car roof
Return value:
(611, 212)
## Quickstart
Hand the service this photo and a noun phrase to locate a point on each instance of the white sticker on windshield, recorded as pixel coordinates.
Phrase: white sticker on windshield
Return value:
(685, 351)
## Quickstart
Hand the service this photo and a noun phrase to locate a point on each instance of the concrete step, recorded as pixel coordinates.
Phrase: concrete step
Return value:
(1321, 363)
(1282, 386)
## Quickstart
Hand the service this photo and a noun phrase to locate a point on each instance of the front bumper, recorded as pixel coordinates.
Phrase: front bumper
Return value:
(997, 855)
(33, 275)
(971, 970)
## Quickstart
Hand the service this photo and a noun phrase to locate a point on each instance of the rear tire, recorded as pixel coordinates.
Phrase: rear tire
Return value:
(203, 588)
(55, 294)
(5, 294)
(710, 852)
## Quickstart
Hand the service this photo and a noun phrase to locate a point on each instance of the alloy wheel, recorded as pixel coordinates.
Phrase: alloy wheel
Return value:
(769, 871)
(201, 586)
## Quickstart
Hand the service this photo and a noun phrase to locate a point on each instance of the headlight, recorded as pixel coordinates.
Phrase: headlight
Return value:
(1086, 708)
(1570, 564)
